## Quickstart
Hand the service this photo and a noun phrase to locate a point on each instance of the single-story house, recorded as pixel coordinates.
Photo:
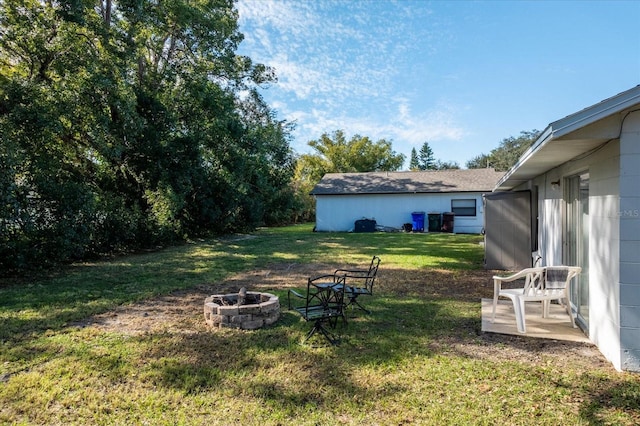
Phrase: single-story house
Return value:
(391, 198)
(583, 177)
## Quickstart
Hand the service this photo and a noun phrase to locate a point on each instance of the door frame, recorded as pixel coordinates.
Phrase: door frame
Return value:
(576, 233)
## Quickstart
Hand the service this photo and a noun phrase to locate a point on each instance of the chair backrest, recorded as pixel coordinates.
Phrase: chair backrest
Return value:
(534, 280)
(373, 272)
(327, 299)
(558, 277)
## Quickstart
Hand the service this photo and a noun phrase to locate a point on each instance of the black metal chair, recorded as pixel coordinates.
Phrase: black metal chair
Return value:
(324, 305)
(359, 282)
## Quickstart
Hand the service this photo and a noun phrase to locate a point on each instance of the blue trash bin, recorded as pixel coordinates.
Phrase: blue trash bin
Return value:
(418, 221)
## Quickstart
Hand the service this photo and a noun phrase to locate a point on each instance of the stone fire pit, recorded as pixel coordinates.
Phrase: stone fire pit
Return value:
(247, 310)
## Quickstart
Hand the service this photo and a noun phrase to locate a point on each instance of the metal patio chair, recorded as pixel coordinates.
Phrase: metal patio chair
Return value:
(323, 305)
(359, 282)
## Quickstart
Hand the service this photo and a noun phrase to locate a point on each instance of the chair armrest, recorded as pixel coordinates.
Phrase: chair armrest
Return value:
(518, 275)
(334, 278)
(533, 276)
(353, 273)
(318, 277)
(296, 294)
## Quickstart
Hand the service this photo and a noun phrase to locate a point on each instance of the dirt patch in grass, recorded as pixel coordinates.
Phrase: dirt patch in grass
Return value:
(181, 312)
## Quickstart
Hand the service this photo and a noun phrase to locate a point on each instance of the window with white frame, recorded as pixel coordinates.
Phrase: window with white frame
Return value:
(464, 207)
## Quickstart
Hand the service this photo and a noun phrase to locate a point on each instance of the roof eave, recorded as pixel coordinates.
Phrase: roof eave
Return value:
(466, 191)
(524, 170)
(545, 137)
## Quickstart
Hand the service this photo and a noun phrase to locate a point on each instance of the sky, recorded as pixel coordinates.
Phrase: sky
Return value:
(459, 75)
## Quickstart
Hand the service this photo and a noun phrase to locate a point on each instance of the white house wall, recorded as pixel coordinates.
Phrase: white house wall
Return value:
(629, 218)
(604, 239)
(338, 213)
(604, 252)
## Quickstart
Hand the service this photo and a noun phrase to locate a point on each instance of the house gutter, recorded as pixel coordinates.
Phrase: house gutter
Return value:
(573, 122)
(565, 125)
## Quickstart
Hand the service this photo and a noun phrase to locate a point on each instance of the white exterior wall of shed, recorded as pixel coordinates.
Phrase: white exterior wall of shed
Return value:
(338, 213)
(604, 239)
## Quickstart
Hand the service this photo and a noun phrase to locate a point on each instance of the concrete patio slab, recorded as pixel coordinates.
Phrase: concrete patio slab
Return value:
(557, 326)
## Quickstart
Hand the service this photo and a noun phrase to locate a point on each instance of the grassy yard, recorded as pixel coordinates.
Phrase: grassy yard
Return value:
(124, 342)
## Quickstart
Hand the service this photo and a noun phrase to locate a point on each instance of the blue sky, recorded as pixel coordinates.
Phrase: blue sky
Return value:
(460, 75)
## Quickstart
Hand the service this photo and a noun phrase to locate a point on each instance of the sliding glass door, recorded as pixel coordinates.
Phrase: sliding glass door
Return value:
(576, 248)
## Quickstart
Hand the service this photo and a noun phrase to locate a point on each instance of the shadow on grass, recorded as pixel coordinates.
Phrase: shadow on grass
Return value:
(396, 327)
(608, 396)
(77, 292)
(272, 365)
(418, 313)
(403, 303)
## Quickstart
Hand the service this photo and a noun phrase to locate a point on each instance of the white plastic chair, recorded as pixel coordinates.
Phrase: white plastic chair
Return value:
(557, 286)
(536, 258)
(532, 279)
(541, 284)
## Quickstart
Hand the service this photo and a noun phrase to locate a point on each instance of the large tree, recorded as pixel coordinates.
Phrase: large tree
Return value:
(506, 154)
(127, 124)
(333, 153)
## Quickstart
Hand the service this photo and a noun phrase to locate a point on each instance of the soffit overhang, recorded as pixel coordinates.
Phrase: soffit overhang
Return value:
(572, 137)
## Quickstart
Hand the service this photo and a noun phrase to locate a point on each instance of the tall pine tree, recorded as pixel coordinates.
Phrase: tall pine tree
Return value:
(426, 158)
(414, 164)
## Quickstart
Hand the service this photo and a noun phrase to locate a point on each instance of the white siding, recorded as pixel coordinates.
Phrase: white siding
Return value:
(614, 215)
(629, 218)
(338, 213)
(604, 239)
(604, 252)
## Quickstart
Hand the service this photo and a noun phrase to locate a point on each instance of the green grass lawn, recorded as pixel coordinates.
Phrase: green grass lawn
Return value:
(418, 358)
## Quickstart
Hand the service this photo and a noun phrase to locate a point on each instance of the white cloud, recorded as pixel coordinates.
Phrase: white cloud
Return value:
(341, 71)
(314, 54)
(436, 124)
(407, 130)
(281, 15)
(412, 71)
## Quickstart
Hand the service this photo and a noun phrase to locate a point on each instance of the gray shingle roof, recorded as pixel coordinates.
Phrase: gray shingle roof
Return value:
(462, 180)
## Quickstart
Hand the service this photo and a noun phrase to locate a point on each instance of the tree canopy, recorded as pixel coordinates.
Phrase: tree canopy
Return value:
(507, 153)
(128, 124)
(333, 153)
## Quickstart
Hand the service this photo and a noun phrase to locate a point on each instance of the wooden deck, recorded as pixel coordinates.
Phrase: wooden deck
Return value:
(557, 326)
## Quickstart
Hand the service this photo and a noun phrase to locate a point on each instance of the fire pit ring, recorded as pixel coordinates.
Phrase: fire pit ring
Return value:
(246, 310)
